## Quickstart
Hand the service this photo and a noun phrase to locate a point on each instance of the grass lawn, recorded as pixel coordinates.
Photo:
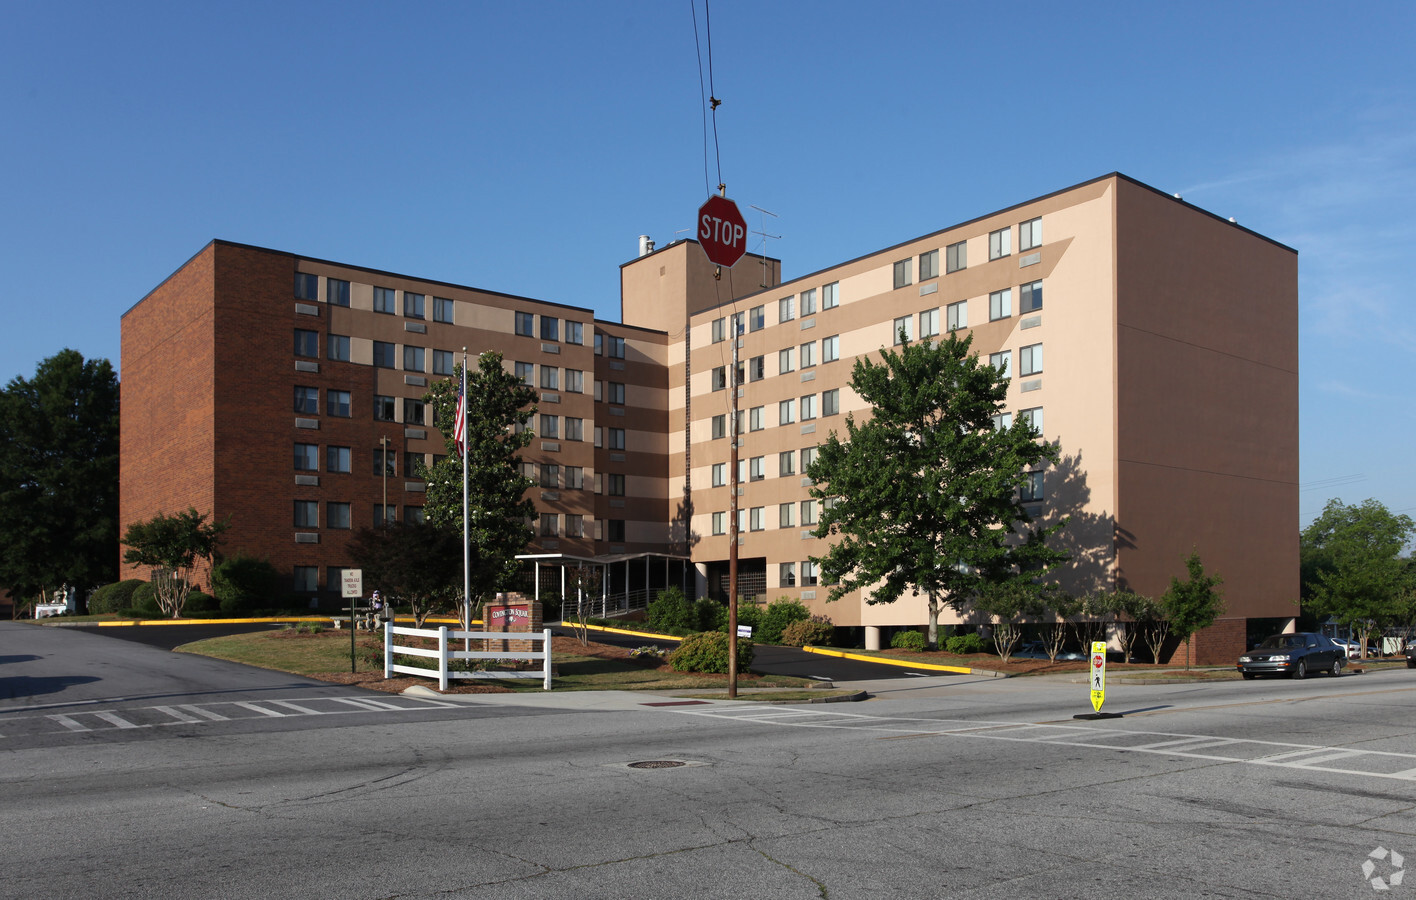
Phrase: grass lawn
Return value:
(596, 667)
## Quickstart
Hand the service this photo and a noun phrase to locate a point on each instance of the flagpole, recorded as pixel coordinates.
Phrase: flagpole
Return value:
(466, 548)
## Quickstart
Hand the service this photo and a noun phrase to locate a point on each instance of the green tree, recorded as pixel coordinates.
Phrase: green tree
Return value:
(59, 476)
(1007, 603)
(925, 495)
(418, 563)
(1352, 566)
(1194, 603)
(172, 546)
(499, 511)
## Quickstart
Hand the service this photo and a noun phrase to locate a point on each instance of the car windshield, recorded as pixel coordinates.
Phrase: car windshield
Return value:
(1281, 642)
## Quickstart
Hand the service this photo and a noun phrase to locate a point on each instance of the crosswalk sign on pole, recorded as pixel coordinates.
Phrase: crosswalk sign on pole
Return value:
(1098, 674)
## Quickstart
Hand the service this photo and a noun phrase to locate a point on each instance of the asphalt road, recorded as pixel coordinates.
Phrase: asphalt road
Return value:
(953, 787)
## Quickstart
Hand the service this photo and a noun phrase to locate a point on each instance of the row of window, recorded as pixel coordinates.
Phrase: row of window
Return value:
(756, 318)
(550, 328)
(338, 514)
(1000, 244)
(571, 381)
(755, 369)
(339, 460)
(755, 468)
(339, 404)
(956, 315)
(1029, 361)
(307, 346)
(807, 408)
(307, 287)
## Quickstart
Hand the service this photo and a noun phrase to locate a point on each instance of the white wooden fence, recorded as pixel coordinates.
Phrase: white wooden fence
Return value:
(445, 653)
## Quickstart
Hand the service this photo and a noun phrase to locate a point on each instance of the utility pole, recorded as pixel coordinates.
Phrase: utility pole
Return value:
(733, 516)
(383, 467)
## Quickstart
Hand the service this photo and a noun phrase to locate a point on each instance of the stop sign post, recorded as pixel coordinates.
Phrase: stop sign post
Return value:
(722, 231)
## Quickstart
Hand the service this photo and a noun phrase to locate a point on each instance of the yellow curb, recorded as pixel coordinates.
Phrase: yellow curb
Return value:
(278, 619)
(643, 634)
(904, 664)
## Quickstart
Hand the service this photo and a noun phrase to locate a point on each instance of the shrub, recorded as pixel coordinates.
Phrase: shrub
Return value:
(708, 652)
(749, 614)
(112, 598)
(243, 583)
(779, 614)
(200, 602)
(816, 631)
(144, 601)
(964, 644)
(711, 615)
(672, 610)
(907, 640)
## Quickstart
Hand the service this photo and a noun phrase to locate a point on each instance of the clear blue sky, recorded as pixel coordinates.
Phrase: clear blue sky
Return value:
(523, 147)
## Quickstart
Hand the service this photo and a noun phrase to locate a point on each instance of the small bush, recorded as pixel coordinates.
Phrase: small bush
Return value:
(908, 640)
(200, 602)
(711, 615)
(778, 615)
(243, 583)
(672, 610)
(113, 597)
(816, 631)
(964, 644)
(708, 652)
(144, 601)
(749, 614)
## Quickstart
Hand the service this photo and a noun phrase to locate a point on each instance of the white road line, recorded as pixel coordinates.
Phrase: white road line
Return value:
(245, 704)
(204, 713)
(69, 723)
(297, 707)
(115, 720)
(1341, 754)
(183, 718)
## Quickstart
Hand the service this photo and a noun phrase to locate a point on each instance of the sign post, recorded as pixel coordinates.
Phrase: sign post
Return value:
(351, 588)
(1096, 680)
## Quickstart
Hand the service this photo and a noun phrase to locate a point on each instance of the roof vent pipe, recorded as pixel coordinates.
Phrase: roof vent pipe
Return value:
(646, 245)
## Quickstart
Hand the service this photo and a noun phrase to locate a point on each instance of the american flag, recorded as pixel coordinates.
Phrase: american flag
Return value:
(459, 425)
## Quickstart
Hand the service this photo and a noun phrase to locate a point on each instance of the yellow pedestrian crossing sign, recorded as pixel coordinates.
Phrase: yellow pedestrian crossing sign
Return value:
(1098, 674)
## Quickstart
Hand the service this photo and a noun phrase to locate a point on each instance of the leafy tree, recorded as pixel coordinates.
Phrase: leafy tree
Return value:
(585, 580)
(499, 510)
(418, 563)
(925, 494)
(1008, 603)
(1194, 603)
(244, 583)
(59, 476)
(1064, 609)
(172, 546)
(1353, 569)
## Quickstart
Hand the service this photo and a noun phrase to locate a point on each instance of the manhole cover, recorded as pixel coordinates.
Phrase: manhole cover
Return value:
(657, 764)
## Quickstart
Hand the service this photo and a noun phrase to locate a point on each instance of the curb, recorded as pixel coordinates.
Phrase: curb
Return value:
(844, 698)
(906, 664)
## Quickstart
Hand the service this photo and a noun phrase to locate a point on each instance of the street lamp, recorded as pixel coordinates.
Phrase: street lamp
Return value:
(383, 465)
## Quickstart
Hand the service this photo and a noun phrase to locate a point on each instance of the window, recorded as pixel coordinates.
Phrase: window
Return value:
(1002, 421)
(808, 512)
(1033, 417)
(338, 347)
(307, 579)
(929, 323)
(956, 315)
(307, 457)
(384, 301)
(412, 359)
(784, 361)
(443, 362)
(307, 287)
(616, 438)
(574, 332)
(412, 465)
(385, 515)
(550, 525)
(1000, 304)
(574, 428)
(1030, 360)
(903, 268)
(307, 514)
(412, 411)
(1003, 362)
(808, 407)
(337, 403)
(742, 471)
(786, 574)
(307, 401)
(385, 462)
(903, 328)
(956, 256)
(383, 354)
(307, 343)
(1030, 298)
(808, 302)
(786, 412)
(808, 456)
(414, 514)
(614, 391)
(720, 523)
(720, 426)
(757, 518)
(574, 525)
(831, 402)
(831, 295)
(442, 310)
(525, 373)
(336, 292)
(599, 344)
(574, 478)
(614, 347)
(413, 305)
(929, 265)
(720, 378)
(550, 328)
(550, 427)
(384, 408)
(757, 468)
(550, 476)
(786, 515)
(831, 348)
(786, 463)
(1032, 488)
(757, 368)
(525, 324)
(337, 459)
(808, 355)
(785, 311)
(756, 418)
(720, 474)
(757, 318)
(720, 330)
(1000, 243)
(808, 574)
(337, 515)
(1030, 234)
(574, 381)
(735, 325)
(550, 378)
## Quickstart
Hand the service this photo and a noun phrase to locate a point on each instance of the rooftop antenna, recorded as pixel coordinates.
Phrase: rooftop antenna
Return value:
(766, 236)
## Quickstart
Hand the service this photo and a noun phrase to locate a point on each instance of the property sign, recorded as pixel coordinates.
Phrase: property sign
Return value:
(1098, 674)
(351, 583)
(510, 617)
(722, 231)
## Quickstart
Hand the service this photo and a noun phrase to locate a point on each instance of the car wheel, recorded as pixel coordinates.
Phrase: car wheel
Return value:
(1301, 670)
(1336, 668)
(1248, 676)
(1411, 664)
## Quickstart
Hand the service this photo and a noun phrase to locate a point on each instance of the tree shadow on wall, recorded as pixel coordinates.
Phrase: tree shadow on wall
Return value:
(1091, 537)
(682, 538)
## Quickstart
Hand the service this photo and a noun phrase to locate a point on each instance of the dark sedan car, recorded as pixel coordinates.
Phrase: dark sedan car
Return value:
(1294, 655)
(1411, 654)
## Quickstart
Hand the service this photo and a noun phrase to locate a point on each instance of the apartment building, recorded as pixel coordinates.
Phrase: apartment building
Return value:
(1154, 341)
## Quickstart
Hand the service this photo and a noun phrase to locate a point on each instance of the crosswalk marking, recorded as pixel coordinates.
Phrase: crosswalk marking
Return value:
(115, 720)
(183, 717)
(68, 722)
(288, 704)
(246, 704)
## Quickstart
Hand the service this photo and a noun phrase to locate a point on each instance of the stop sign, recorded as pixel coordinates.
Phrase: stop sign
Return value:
(722, 231)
